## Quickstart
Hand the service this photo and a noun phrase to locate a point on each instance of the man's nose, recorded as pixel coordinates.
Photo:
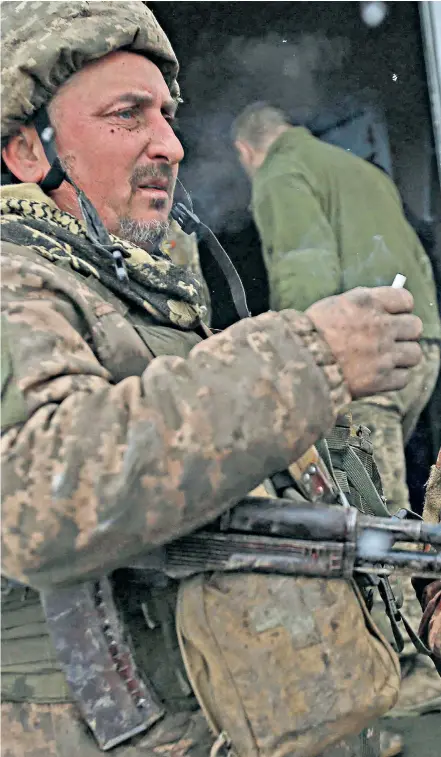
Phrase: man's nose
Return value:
(165, 145)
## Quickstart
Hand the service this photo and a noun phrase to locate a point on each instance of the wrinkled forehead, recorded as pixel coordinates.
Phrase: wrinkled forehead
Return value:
(118, 76)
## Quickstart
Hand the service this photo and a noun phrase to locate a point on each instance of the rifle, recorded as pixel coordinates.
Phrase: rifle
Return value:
(265, 535)
(290, 535)
(280, 536)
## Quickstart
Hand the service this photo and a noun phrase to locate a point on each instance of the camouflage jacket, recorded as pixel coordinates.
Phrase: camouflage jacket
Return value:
(184, 251)
(107, 453)
(430, 627)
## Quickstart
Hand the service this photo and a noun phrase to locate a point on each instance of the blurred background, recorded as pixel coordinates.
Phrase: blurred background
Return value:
(361, 75)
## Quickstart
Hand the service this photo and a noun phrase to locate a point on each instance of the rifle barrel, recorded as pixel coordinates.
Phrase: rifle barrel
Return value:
(401, 530)
(405, 563)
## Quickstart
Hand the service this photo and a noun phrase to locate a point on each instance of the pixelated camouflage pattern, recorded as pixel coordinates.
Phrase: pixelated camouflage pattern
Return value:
(106, 455)
(31, 730)
(183, 250)
(39, 730)
(432, 502)
(168, 292)
(388, 416)
(421, 682)
(367, 744)
(106, 459)
(421, 685)
(430, 628)
(44, 43)
(182, 247)
(391, 418)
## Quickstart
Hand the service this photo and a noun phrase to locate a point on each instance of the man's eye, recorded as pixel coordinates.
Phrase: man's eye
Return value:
(126, 114)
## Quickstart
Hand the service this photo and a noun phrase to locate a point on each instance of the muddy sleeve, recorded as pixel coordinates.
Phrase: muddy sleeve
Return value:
(97, 472)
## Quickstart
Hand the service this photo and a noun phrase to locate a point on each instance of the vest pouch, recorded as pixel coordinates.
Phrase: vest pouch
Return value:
(283, 666)
(30, 668)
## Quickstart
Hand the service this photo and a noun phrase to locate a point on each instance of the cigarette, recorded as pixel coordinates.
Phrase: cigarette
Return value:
(399, 281)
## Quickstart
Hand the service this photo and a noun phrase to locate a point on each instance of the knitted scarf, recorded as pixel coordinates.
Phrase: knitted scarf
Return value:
(168, 292)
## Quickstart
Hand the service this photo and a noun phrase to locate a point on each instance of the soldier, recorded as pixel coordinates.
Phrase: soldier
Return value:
(123, 427)
(329, 221)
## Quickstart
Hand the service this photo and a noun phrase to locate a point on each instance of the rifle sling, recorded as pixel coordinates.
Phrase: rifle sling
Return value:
(392, 611)
(415, 639)
(361, 480)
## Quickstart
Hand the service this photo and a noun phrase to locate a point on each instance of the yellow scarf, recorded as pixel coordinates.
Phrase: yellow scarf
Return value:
(168, 292)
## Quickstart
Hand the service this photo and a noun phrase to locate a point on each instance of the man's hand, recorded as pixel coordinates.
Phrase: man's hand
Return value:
(372, 335)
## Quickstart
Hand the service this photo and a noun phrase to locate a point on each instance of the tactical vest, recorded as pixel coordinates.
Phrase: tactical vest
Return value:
(31, 670)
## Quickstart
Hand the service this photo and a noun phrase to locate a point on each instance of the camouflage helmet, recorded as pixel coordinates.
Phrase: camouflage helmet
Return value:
(44, 43)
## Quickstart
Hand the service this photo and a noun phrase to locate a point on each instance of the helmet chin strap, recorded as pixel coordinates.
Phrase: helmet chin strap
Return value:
(95, 229)
(98, 234)
(56, 174)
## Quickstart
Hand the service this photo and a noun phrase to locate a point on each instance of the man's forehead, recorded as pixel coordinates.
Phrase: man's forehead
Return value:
(136, 97)
(119, 74)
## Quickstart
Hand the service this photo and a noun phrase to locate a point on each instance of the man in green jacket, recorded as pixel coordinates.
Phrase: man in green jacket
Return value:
(328, 222)
(123, 425)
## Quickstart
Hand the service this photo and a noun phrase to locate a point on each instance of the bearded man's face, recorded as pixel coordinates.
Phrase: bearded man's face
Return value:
(114, 132)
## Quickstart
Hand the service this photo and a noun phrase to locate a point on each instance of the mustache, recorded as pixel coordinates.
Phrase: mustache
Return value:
(141, 174)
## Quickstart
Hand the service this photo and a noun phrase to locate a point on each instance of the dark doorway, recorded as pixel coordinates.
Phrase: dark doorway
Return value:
(308, 58)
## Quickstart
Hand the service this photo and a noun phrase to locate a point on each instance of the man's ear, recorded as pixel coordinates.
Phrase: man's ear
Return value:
(245, 153)
(25, 157)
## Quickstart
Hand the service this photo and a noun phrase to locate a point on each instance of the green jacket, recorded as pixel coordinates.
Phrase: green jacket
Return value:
(329, 222)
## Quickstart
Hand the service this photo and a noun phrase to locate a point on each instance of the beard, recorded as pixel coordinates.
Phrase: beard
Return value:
(147, 235)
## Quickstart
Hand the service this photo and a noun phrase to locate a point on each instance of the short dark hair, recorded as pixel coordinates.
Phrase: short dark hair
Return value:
(257, 122)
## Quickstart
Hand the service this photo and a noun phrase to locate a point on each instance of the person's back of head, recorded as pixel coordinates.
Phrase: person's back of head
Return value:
(254, 130)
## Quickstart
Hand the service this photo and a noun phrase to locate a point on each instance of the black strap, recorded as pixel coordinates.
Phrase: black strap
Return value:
(415, 639)
(56, 175)
(225, 264)
(96, 230)
(392, 611)
(189, 222)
